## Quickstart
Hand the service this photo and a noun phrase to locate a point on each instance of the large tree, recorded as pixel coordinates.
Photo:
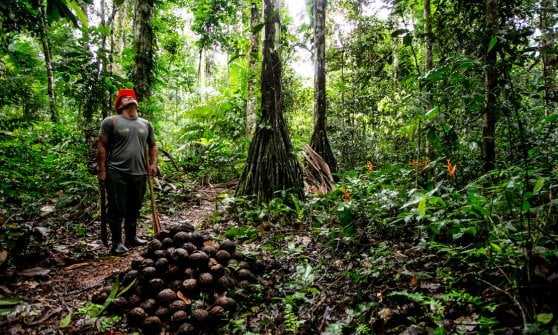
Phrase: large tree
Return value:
(43, 35)
(36, 16)
(319, 141)
(252, 65)
(491, 79)
(429, 64)
(271, 165)
(144, 47)
(548, 19)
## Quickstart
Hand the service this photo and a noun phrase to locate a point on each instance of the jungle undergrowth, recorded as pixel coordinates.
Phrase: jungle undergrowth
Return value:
(386, 256)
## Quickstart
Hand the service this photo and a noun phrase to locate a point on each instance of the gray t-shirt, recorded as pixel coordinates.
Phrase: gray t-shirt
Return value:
(127, 142)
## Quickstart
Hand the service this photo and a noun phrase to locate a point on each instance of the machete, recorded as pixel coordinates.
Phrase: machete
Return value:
(154, 211)
(103, 192)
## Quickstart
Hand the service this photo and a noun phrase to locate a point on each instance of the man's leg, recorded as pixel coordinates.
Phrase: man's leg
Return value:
(116, 194)
(136, 192)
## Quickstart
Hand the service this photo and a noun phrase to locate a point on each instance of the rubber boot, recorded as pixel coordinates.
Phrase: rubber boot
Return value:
(132, 240)
(117, 247)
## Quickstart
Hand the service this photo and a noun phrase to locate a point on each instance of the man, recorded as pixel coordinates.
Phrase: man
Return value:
(121, 159)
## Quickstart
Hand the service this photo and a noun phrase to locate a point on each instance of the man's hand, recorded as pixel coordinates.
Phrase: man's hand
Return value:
(152, 170)
(102, 175)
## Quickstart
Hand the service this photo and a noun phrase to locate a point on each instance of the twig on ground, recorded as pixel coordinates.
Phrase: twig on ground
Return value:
(47, 316)
(513, 299)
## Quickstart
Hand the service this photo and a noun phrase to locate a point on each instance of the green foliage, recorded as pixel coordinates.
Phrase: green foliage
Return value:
(211, 18)
(241, 233)
(7, 305)
(35, 159)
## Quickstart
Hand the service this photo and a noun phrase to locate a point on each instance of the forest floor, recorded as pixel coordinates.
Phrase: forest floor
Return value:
(64, 285)
(311, 283)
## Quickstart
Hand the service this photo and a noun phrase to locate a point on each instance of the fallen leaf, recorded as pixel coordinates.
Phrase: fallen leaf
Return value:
(30, 284)
(414, 281)
(75, 266)
(385, 313)
(66, 320)
(42, 232)
(34, 272)
(46, 210)
(432, 287)
(3, 256)
(304, 240)
(5, 290)
(466, 323)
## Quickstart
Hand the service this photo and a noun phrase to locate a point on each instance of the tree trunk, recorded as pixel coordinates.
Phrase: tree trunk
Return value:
(102, 56)
(48, 62)
(428, 32)
(427, 67)
(395, 53)
(319, 141)
(252, 66)
(428, 49)
(271, 165)
(202, 73)
(144, 47)
(109, 94)
(548, 44)
(491, 78)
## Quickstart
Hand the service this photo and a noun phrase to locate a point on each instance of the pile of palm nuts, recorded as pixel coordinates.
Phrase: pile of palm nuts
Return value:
(181, 283)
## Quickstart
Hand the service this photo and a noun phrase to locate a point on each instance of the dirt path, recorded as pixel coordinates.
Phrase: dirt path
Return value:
(65, 288)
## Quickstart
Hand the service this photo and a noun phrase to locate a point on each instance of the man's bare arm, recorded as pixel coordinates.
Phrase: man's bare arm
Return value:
(102, 149)
(153, 159)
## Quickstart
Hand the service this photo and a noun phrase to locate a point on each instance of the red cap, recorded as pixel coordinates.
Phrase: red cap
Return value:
(128, 93)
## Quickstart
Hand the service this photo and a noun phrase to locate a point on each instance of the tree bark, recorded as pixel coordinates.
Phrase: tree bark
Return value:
(395, 53)
(491, 78)
(48, 62)
(319, 141)
(271, 165)
(548, 45)
(202, 72)
(428, 32)
(252, 66)
(110, 59)
(429, 64)
(144, 47)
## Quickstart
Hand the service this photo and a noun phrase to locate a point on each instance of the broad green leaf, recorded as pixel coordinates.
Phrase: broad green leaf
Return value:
(431, 114)
(525, 206)
(79, 13)
(545, 318)
(436, 74)
(113, 294)
(492, 43)
(496, 247)
(422, 206)
(126, 289)
(538, 185)
(9, 301)
(551, 118)
(6, 311)
(344, 213)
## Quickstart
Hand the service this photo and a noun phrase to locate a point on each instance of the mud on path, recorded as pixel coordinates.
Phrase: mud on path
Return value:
(51, 293)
